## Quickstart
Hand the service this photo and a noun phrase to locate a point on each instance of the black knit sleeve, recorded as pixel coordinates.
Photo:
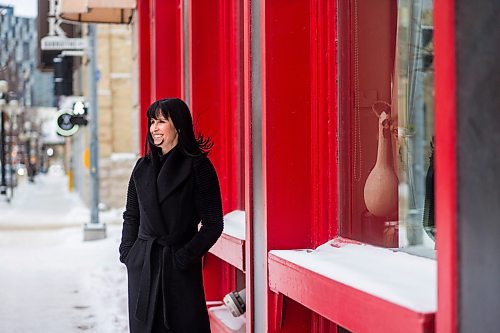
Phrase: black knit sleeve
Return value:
(209, 207)
(131, 218)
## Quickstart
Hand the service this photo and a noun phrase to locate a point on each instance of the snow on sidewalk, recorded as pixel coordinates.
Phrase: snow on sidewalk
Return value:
(47, 203)
(50, 280)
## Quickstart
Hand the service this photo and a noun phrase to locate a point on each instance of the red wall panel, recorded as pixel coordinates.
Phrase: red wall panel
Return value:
(286, 143)
(215, 53)
(299, 139)
(167, 48)
(446, 166)
(214, 89)
(207, 106)
(286, 118)
(144, 24)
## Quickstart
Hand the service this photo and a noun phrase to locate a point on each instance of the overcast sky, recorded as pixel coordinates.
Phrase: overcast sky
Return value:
(23, 7)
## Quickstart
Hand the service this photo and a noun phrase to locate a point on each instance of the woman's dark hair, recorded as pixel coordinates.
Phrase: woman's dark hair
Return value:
(178, 112)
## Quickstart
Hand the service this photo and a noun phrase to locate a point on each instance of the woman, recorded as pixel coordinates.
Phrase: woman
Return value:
(171, 190)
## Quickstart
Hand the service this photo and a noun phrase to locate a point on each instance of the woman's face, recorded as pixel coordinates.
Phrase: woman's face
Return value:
(164, 133)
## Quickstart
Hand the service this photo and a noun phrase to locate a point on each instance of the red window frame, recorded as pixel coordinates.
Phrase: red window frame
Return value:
(280, 272)
(324, 222)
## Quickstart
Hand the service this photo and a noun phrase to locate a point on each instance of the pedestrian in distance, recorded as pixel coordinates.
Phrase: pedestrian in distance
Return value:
(172, 189)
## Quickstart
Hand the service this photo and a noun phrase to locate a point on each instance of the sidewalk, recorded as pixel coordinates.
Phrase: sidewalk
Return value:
(51, 280)
(48, 204)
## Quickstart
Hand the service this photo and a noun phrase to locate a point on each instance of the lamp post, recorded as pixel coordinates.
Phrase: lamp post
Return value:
(8, 104)
(4, 87)
(93, 230)
(12, 109)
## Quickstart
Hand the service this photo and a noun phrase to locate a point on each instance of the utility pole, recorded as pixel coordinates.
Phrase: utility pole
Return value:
(93, 230)
(3, 160)
(3, 184)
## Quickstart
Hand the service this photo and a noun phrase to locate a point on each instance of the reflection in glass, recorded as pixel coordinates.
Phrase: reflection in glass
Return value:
(415, 102)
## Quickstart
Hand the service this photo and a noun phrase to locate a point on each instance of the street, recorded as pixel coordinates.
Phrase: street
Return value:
(52, 281)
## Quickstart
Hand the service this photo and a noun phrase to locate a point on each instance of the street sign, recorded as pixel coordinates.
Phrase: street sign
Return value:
(72, 53)
(65, 126)
(69, 120)
(62, 43)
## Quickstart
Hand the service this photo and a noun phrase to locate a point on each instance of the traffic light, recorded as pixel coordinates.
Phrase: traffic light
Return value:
(63, 76)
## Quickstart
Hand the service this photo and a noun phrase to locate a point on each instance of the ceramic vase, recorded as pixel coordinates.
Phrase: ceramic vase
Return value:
(381, 187)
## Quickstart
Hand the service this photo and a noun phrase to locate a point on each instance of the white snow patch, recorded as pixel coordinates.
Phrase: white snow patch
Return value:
(235, 324)
(234, 224)
(47, 204)
(118, 157)
(53, 281)
(397, 277)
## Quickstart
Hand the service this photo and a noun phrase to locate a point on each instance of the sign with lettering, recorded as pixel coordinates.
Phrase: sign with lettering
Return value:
(62, 43)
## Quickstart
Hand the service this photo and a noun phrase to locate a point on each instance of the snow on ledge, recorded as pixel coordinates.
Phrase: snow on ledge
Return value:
(235, 324)
(397, 277)
(234, 224)
(120, 157)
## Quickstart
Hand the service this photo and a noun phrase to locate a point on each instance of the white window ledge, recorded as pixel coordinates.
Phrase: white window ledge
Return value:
(231, 245)
(224, 321)
(397, 277)
(234, 224)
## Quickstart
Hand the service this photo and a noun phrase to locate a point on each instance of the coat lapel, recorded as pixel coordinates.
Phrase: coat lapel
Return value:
(174, 172)
(145, 184)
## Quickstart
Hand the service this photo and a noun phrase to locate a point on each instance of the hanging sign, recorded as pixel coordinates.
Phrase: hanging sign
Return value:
(62, 43)
(65, 125)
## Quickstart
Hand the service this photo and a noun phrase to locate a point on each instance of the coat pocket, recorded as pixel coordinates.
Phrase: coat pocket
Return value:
(181, 260)
(130, 250)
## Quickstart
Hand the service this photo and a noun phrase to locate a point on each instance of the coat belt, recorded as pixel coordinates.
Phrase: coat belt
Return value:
(141, 310)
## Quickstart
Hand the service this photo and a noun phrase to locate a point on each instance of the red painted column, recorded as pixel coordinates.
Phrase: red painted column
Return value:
(144, 26)
(160, 54)
(299, 140)
(286, 143)
(217, 104)
(446, 165)
(324, 145)
(167, 62)
(208, 100)
(248, 167)
(216, 89)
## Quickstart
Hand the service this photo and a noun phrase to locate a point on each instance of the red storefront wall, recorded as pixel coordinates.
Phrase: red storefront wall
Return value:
(299, 152)
(216, 102)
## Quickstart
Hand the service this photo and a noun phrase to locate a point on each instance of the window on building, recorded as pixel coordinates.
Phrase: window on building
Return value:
(387, 123)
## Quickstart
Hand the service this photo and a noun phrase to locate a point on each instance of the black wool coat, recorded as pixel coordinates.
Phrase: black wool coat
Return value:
(162, 247)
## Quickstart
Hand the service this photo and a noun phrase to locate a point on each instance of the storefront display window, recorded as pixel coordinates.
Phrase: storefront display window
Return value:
(387, 123)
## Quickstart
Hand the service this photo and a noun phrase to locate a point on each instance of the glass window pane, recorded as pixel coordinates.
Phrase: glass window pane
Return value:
(415, 82)
(387, 123)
